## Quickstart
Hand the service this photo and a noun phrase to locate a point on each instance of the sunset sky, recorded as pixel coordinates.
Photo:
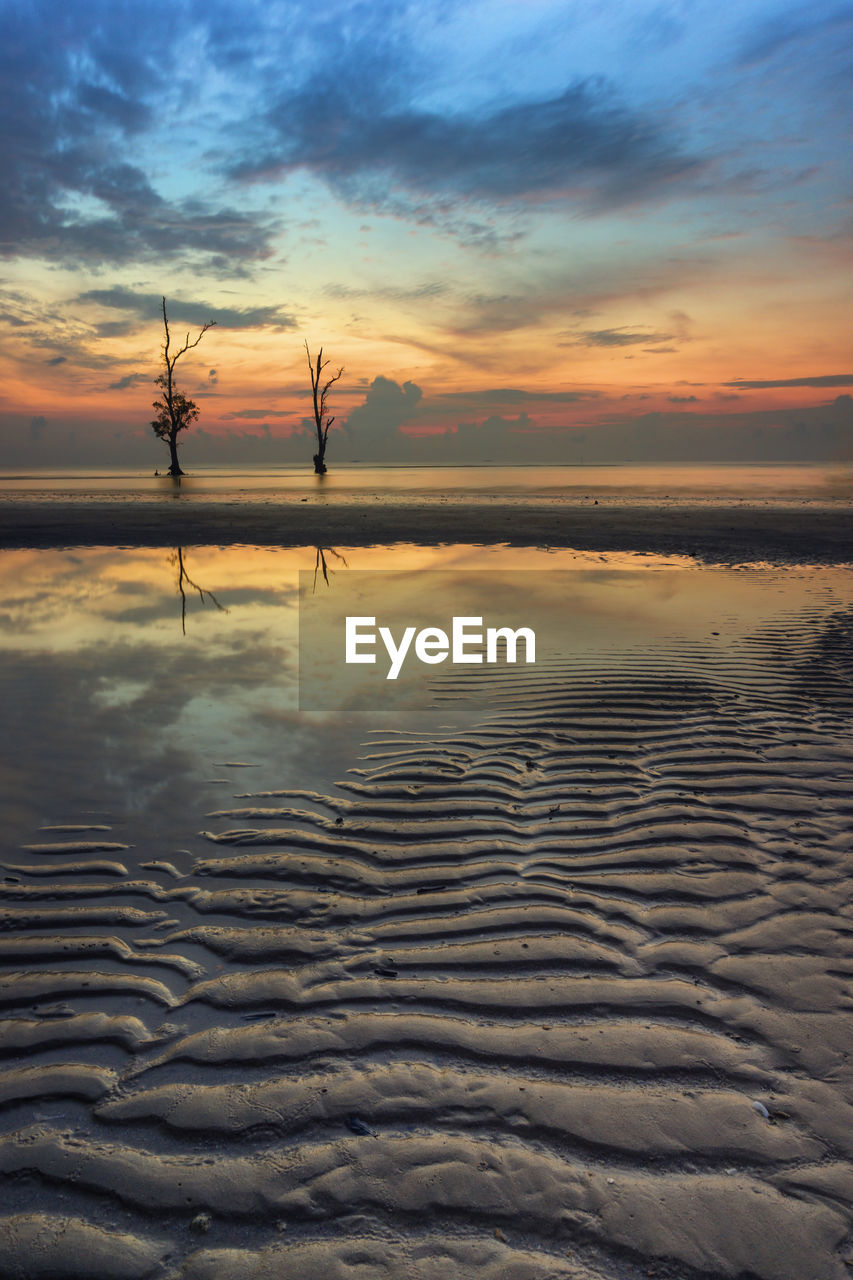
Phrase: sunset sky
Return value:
(539, 228)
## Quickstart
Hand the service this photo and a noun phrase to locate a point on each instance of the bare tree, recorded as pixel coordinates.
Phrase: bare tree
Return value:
(174, 411)
(321, 421)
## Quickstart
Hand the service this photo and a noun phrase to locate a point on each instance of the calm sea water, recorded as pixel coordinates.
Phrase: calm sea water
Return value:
(765, 483)
(129, 675)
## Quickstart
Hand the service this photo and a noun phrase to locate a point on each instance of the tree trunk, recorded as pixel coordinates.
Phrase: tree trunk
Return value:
(319, 462)
(175, 468)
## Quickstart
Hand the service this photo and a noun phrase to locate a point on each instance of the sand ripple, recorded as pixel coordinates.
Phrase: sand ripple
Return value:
(561, 996)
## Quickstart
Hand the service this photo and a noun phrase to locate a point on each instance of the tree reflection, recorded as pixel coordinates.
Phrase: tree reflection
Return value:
(320, 565)
(184, 581)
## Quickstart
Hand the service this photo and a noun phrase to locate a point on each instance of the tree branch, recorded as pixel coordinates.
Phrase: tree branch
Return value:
(331, 382)
(188, 346)
(171, 361)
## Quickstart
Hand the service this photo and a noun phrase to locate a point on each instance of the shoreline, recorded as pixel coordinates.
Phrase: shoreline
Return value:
(719, 533)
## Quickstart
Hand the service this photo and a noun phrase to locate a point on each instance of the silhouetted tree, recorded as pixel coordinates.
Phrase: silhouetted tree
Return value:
(174, 411)
(321, 421)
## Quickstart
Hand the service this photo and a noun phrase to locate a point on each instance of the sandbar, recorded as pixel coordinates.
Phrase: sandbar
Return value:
(802, 533)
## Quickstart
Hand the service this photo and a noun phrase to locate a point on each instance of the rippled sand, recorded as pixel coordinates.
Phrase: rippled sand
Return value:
(561, 992)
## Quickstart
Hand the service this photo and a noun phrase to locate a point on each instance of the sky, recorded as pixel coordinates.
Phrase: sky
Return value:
(526, 229)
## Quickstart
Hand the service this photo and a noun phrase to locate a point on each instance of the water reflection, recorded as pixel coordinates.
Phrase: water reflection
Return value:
(597, 615)
(320, 563)
(107, 720)
(184, 580)
(167, 482)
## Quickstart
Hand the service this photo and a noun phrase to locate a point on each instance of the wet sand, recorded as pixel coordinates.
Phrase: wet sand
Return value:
(562, 994)
(806, 532)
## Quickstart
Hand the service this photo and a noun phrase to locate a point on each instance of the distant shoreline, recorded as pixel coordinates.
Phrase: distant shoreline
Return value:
(796, 533)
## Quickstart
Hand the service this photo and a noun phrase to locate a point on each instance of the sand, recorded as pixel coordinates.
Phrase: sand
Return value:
(562, 994)
(806, 532)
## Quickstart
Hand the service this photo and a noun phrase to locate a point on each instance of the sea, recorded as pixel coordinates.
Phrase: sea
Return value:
(782, 483)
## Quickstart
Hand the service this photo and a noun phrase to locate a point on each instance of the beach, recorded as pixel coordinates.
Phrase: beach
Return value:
(549, 979)
(426, 642)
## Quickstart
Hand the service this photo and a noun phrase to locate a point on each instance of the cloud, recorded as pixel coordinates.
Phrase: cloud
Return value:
(375, 149)
(115, 328)
(485, 441)
(149, 306)
(574, 289)
(823, 380)
(386, 407)
(683, 399)
(129, 380)
(376, 427)
(78, 93)
(818, 433)
(394, 293)
(621, 337)
(257, 413)
(511, 395)
(46, 333)
(794, 28)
